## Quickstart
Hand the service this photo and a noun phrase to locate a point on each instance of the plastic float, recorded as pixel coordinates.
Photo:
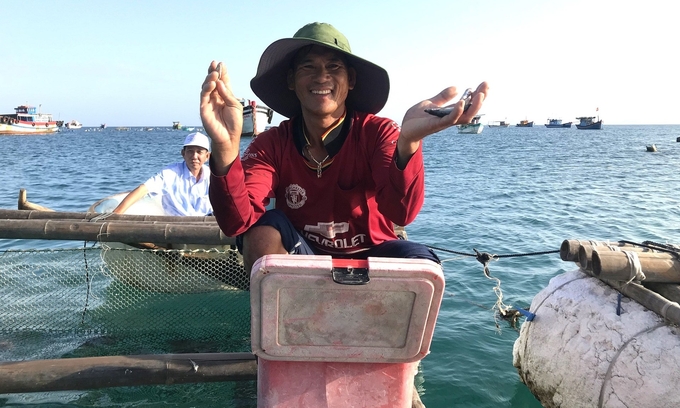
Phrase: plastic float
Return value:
(341, 333)
(604, 335)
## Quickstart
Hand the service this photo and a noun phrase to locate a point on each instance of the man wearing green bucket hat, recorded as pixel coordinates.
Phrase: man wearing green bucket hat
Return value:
(338, 176)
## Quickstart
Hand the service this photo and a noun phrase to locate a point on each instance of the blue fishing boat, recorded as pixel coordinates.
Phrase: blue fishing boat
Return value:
(587, 122)
(557, 123)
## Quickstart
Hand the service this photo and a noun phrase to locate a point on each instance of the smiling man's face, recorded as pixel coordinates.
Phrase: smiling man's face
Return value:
(321, 80)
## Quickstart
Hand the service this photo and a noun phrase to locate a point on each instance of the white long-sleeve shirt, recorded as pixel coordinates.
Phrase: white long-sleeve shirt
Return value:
(181, 193)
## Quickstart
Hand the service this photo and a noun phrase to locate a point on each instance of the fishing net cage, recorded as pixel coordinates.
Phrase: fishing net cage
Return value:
(106, 299)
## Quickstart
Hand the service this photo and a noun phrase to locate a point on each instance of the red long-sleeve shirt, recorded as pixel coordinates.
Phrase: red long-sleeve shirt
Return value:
(351, 207)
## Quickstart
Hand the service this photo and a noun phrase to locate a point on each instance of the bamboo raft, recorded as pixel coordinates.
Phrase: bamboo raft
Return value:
(33, 221)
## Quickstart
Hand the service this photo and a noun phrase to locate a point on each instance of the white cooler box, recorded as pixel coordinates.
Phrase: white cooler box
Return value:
(341, 333)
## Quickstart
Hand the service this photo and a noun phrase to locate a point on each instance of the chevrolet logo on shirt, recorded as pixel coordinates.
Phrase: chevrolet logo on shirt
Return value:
(328, 229)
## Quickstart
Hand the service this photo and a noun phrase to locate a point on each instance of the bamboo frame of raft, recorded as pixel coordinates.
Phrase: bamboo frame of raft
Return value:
(161, 224)
(620, 261)
(34, 221)
(32, 214)
(87, 373)
(114, 231)
(658, 291)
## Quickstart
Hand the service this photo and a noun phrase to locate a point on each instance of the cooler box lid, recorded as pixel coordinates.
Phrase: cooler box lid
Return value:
(299, 313)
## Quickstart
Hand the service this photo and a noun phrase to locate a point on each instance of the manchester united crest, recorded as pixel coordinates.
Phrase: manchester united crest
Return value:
(295, 196)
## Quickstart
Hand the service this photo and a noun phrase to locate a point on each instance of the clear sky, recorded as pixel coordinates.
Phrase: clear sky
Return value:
(141, 63)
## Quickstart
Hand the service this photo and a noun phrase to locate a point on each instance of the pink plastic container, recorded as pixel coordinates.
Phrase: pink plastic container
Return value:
(325, 344)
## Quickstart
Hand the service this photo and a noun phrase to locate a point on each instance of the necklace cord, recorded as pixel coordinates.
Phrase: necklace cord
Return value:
(319, 164)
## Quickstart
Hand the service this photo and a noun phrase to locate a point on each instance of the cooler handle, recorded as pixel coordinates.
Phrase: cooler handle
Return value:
(350, 271)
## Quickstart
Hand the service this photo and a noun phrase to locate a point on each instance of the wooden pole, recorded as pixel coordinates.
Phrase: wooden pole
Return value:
(23, 203)
(105, 231)
(585, 256)
(124, 371)
(28, 210)
(670, 291)
(656, 266)
(649, 299)
(585, 252)
(85, 216)
(87, 373)
(570, 250)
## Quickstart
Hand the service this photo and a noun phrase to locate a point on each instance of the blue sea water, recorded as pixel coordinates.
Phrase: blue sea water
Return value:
(506, 191)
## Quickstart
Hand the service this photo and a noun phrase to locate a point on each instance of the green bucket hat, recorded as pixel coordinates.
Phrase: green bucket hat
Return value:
(271, 86)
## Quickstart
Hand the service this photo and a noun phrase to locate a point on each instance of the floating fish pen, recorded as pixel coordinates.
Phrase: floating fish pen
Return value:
(104, 314)
(127, 301)
(606, 334)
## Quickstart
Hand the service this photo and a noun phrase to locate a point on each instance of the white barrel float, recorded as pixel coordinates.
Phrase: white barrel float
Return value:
(578, 352)
(340, 333)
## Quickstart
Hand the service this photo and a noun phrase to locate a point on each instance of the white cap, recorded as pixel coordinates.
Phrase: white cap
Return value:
(197, 139)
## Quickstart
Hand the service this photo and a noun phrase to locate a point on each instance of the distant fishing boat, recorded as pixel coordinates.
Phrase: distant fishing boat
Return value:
(474, 127)
(74, 124)
(587, 122)
(255, 118)
(28, 120)
(525, 123)
(178, 126)
(499, 123)
(557, 123)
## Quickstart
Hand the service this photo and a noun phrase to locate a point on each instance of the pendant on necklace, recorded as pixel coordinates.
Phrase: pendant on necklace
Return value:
(319, 164)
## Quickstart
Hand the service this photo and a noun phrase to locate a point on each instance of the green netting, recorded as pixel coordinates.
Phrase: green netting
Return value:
(111, 299)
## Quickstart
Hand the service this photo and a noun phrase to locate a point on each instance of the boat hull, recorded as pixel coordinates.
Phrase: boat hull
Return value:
(558, 126)
(27, 128)
(500, 123)
(28, 120)
(557, 123)
(593, 126)
(530, 124)
(471, 128)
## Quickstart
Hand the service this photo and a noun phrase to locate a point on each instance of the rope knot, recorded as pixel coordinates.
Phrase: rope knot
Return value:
(484, 258)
